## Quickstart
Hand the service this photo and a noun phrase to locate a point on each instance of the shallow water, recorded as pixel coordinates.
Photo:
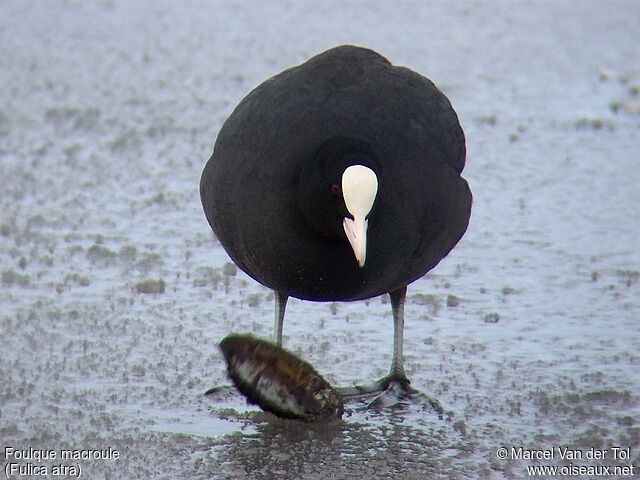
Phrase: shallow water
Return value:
(109, 113)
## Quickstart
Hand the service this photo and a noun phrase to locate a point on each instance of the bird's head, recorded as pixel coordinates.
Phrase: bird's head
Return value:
(337, 191)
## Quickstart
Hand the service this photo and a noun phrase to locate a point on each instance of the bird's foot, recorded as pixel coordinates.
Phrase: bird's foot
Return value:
(220, 391)
(390, 391)
(394, 384)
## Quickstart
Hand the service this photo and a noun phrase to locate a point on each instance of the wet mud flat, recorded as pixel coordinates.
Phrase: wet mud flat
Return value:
(114, 295)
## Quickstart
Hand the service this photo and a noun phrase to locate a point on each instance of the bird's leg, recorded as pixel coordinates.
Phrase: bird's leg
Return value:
(395, 385)
(281, 305)
(396, 373)
(396, 380)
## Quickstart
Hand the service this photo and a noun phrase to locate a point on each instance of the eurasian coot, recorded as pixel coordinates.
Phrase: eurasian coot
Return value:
(339, 180)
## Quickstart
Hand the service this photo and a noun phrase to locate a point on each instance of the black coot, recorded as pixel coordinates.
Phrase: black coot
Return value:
(339, 179)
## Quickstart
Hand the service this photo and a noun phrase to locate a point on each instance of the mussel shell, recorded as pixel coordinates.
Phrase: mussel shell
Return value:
(278, 381)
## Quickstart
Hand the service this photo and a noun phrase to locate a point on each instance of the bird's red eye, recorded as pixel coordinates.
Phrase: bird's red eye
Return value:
(335, 189)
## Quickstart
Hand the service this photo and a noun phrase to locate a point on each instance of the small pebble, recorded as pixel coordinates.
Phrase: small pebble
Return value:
(492, 318)
(452, 301)
(150, 286)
